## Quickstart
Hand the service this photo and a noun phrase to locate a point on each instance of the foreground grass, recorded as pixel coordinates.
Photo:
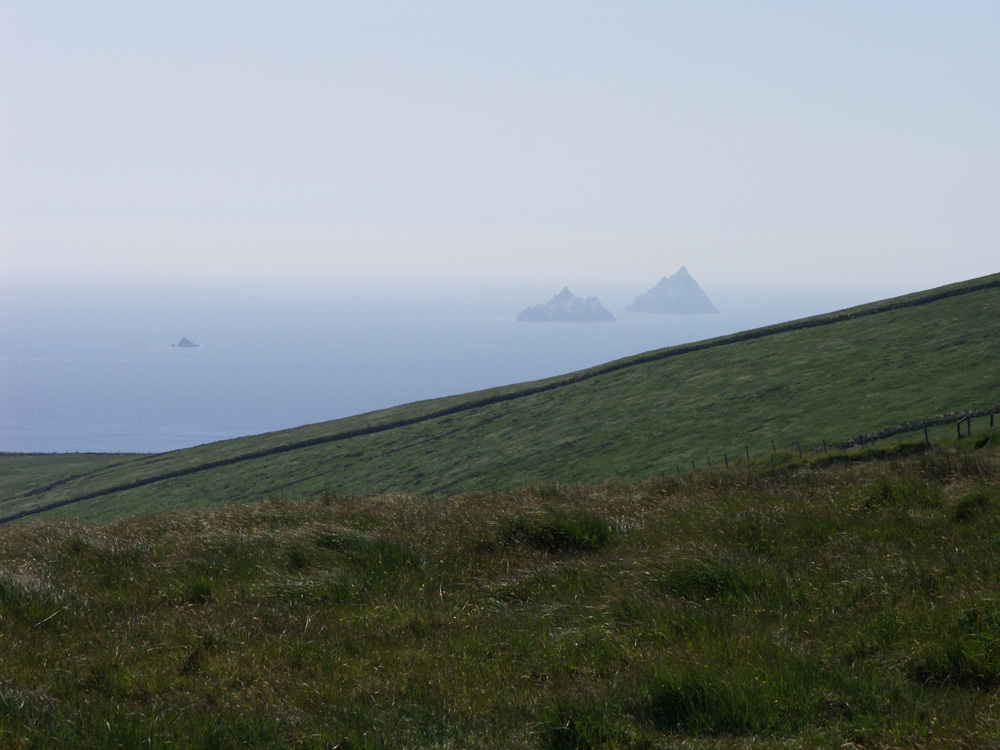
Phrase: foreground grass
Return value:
(845, 603)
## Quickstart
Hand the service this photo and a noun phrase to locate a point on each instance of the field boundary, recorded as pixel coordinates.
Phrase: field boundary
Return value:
(865, 440)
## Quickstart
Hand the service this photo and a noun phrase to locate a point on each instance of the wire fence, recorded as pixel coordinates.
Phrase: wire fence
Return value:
(921, 429)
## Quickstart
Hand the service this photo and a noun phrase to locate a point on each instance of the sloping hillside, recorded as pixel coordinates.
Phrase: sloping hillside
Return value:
(870, 369)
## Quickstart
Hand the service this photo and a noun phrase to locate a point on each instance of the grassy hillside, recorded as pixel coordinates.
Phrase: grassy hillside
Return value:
(832, 603)
(832, 378)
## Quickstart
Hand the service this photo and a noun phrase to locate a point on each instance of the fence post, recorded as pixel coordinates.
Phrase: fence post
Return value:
(958, 425)
(772, 446)
(725, 457)
(800, 448)
(968, 425)
(824, 446)
(927, 440)
(748, 451)
(710, 462)
(692, 464)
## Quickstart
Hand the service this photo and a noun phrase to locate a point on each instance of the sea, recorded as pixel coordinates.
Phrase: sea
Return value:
(87, 365)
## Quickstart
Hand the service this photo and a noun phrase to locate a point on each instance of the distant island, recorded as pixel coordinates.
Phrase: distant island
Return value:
(566, 306)
(677, 295)
(186, 344)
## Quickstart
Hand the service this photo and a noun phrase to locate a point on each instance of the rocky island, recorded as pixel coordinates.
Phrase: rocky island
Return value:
(185, 343)
(678, 295)
(567, 306)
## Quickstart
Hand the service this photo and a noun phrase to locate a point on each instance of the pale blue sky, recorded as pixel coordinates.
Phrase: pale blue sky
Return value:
(800, 142)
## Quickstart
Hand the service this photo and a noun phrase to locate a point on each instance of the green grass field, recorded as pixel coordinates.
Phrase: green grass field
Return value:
(549, 565)
(830, 379)
(839, 601)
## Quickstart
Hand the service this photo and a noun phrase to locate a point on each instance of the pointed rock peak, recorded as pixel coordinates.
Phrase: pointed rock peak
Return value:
(679, 294)
(682, 276)
(186, 343)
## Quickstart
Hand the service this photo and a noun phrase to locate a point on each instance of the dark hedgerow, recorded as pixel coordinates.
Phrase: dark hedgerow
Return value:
(559, 531)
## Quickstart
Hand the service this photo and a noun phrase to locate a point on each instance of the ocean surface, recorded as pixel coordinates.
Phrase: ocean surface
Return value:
(87, 366)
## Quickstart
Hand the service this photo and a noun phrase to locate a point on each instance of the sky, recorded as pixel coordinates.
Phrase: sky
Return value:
(840, 141)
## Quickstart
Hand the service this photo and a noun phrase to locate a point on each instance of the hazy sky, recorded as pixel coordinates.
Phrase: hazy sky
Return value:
(801, 141)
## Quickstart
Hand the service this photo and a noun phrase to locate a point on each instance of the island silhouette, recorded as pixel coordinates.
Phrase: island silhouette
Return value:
(677, 295)
(566, 306)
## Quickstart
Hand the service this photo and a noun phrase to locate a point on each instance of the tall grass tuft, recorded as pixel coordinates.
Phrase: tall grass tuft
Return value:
(197, 591)
(575, 722)
(971, 504)
(891, 491)
(559, 531)
(708, 574)
(966, 651)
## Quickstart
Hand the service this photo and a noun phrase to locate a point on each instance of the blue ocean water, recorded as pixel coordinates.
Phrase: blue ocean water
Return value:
(88, 366)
